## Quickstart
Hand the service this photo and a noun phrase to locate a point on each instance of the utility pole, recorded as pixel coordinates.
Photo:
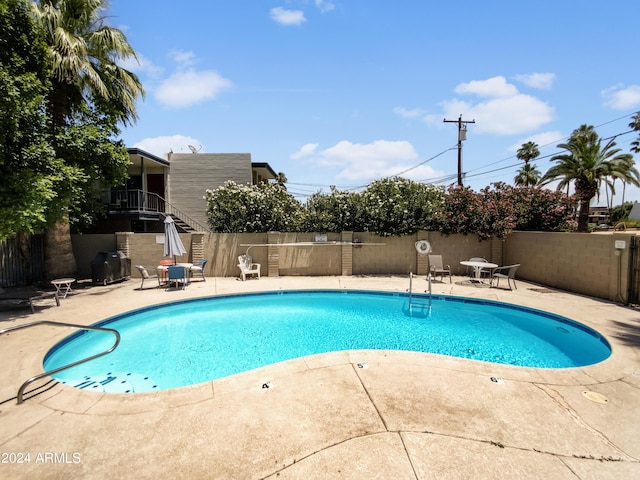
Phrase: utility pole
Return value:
(462, 135)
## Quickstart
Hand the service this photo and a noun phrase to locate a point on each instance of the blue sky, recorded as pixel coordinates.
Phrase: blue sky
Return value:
(343, 92)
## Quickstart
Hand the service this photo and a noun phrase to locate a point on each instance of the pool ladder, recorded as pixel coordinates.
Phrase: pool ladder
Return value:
(424, 306)
(20, 395)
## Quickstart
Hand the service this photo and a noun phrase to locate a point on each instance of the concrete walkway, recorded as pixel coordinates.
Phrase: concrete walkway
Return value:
(407, 416)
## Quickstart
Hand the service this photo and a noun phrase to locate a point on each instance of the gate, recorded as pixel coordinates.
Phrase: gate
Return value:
(18, 268)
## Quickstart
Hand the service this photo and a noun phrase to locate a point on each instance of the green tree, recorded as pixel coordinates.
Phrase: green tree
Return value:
(527, 176)
(620, 213)
(85, 57)
(27, 163)
(588, 165)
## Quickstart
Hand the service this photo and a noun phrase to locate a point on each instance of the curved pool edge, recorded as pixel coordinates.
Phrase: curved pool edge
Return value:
(284, 374)
(198, 392)
(452, 298)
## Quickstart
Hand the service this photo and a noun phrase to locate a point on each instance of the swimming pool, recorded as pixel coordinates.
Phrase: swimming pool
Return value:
(188, 342)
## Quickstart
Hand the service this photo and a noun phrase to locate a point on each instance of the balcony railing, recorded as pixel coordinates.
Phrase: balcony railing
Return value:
(139, 201)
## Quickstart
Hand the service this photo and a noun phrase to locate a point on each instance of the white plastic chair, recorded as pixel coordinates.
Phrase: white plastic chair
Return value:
(247, 267)
(436, 267)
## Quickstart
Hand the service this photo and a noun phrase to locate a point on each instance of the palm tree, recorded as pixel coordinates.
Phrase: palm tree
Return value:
(86, 57)
(281, 179)
(527, 176)
(85, 60)
(588, 164)
(528, 151)
(635, 125)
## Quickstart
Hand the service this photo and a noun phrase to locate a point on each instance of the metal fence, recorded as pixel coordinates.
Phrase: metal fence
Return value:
(21, 266)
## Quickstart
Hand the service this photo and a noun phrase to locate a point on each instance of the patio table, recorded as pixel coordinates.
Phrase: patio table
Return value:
(63, 286)
(477, 267)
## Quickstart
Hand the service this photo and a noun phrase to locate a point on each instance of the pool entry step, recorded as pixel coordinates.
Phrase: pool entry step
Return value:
(114, 382)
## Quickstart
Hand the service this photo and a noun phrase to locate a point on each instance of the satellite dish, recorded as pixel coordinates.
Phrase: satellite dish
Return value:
(194, 149)
(423, 247)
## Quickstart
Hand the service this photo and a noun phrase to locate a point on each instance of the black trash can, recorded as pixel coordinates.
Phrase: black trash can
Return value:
(107, 267)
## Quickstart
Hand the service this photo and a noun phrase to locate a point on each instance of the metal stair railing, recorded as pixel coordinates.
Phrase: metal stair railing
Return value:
(141, 201)
(20, 395)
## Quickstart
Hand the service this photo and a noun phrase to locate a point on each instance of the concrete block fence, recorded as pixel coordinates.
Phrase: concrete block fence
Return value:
(581, 263)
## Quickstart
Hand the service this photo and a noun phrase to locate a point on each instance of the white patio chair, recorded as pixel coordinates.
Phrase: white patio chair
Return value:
(436, 267)
(508, 272)
(147, 273)
(247, 267)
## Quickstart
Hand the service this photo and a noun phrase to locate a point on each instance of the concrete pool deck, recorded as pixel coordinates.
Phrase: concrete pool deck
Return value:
(404, 416)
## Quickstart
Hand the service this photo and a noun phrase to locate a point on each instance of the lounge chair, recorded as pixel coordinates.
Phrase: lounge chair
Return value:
(486, 272)
(436, 267)
(147, 273)
(177, 274)
(198, 268)
(508, 272)
(247, 267)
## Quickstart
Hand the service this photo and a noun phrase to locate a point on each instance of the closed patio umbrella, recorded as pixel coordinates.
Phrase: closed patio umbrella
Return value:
(172, 244)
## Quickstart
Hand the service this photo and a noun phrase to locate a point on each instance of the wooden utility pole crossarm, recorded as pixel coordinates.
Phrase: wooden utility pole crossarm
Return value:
(462, 135)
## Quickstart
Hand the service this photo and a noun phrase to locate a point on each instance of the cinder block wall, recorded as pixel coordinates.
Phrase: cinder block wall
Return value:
(582, 263)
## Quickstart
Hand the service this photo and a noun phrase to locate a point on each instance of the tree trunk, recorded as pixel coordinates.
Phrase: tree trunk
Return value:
(59, 261)
(583, 216)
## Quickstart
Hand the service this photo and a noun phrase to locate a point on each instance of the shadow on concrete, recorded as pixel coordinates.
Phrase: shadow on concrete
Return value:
(629, 333)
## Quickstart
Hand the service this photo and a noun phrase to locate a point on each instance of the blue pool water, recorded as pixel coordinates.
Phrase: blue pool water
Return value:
(193, 341)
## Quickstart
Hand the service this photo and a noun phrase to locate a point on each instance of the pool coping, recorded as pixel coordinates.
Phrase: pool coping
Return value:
(620, 370)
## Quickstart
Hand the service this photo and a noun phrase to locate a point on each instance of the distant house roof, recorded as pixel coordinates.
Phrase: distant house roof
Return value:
(264, 169)
(137, 152)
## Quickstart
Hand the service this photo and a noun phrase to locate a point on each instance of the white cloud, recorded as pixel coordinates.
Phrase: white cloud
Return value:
(405, 113)
(324, 6)
(619, 97)
(365, 162)
(160, 146)
(305, 151)
(504, 110)
(287, 17)
(182, 58)
(142, 65)
(186, 88)
(542, 81)
(492, 87)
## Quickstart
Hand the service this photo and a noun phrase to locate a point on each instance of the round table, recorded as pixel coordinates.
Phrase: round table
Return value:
(63, 286)
(477, 267)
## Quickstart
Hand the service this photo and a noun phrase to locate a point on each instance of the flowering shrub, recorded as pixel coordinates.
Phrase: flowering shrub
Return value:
(253, 208)
(397, 206)
(499, 209)
(338, 211)
(392, 206)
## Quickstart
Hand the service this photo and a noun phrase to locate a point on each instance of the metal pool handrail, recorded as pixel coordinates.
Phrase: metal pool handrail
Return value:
(64, 367)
